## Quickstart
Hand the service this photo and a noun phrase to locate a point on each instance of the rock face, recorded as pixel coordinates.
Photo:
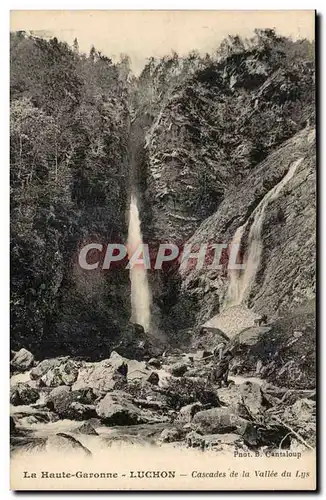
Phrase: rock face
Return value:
(74, 405)
(286, 277)
(285, 350)
(111, 374)
(23, 360)
(23, 394)
(218, 421)
(116, 408)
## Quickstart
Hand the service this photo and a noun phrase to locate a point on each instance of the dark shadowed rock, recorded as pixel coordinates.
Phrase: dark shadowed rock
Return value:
(183, 391)
(178, 369)
(154, 363)
(23, 360)
(23, 394)
(153, 378)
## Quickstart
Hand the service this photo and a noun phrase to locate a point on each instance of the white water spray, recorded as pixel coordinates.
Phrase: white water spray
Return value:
(140, 293)
(240, 284)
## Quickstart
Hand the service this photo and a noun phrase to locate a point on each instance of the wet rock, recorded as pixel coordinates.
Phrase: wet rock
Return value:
(70, 404)
(86, 428)
(23, 360)
(64, 443)
(52, 378)
(69, 372)
(195, 440)
(44, 366)
(111, 374)
(183, 391)
(26, 420)
(63, 373)
(154, 363)
(187, 413)
(171, 435)
(80, 411)
(23, 394)
(178, 369)
(303, 410)
(253, 398)
(218, 420)
(117, 408)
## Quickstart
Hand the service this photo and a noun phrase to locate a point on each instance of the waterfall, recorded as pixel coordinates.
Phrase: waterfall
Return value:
(241, 281)
(140, 293)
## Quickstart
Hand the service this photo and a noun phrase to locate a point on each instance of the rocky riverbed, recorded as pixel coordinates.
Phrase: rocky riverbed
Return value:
(67, 405)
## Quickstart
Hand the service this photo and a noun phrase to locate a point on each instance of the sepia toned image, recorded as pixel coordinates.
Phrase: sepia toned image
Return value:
(163, 250)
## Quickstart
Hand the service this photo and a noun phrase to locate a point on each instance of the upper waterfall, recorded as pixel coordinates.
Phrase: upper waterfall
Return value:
(241, 281)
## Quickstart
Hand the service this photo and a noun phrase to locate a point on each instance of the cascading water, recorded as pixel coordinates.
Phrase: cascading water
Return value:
(241, 281)
(140, 293)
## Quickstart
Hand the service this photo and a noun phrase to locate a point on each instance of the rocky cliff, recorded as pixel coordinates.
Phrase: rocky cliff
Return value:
(222, 139)
(286, 276)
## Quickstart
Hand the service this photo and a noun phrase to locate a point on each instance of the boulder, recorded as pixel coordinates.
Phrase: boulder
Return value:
(64, 443)
(23, 394)
(117, 408)
(153, 378)
(101, 377)
(178, 369)
(44, 366)
(187, 412)
(303, 410)
(52, 378)
(111, 374)
(64, 372)
(253, 398)
(23, 360)
(154, 363)
(183, 391)
(70, 404)
(218, 421)
(171, 435)
(69, 372)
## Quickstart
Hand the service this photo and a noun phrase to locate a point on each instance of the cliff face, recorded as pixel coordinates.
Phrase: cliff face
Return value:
(220, 141)
(222, 119)
(286, 275)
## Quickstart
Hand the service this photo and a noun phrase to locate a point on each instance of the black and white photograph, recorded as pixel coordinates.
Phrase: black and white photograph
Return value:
(163, 250)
